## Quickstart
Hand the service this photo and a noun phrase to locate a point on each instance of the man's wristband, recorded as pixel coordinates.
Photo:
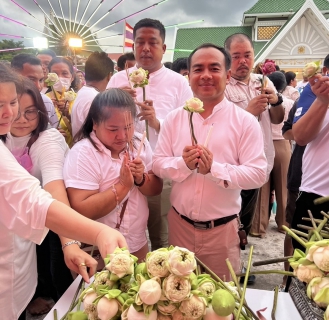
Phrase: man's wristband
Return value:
(71, 242)
(142, 182)
(280, 100)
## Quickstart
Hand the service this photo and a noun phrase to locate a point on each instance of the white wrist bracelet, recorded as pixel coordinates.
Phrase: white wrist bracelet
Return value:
(71, 242)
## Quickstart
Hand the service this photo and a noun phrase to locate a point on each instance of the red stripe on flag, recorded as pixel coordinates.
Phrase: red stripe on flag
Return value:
(129, 35)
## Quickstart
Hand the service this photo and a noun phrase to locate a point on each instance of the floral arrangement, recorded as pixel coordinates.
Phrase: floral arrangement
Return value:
(167, 286)
(268, 67)
(311, 69)
(51, 79)
(191, 106)
(139, 79)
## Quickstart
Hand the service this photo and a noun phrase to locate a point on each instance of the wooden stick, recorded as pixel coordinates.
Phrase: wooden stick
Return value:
(127, 73)
(141, 145)
(208, 135)
(303, 234)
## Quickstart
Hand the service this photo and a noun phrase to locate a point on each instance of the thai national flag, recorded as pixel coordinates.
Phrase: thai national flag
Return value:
(129, 40)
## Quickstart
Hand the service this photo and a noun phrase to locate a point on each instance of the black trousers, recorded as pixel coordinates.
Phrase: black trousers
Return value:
(53, 275)
(304, 203)
(248, 207)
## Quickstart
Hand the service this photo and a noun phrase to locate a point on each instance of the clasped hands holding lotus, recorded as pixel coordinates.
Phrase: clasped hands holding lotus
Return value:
(198, 156)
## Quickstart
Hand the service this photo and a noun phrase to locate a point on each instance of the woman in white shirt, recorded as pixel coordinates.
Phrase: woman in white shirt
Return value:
(105, 182)
(27, 211)
(290, 90)
(42, 152)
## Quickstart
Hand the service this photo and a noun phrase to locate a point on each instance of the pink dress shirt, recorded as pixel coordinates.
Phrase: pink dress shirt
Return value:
(240, 94)
(168, 90)
(277, 128)
(238, 161)
(89, 169)
(23, 211)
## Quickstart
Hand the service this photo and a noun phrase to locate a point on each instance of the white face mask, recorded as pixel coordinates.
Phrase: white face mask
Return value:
(62, 83)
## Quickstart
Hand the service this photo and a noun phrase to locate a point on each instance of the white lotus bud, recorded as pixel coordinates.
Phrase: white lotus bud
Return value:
(193, 308)
(156, 263)
(150, 292)
(107, 308)
(132, 314)
(176, 288)
(181, 261)
(306, 273)
(212, 315)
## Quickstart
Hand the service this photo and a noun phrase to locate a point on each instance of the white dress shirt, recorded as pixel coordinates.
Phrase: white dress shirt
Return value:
(23, 211)
(168, 90)
(238, 161)
(89, 169)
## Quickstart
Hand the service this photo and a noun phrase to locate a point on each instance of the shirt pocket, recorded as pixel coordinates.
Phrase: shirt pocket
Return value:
(237, 98)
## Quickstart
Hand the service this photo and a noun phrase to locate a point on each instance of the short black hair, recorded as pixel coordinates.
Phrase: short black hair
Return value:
(179, 64)
(290, 76)
(128, 56)
(211, 45)
(48, 52)
(168, 64)
(20, 59)
(150, 23)
(239, 37)
(98, 66)
(326, 61)
(279, 80)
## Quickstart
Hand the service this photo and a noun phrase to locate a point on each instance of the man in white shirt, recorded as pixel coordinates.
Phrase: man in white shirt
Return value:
(45, 57)
(29, 66)
(207, 181)
(98, 71)
(165, 92)
(244, 90)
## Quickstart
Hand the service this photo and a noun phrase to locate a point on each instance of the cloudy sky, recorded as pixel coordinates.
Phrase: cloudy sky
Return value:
(213, 12)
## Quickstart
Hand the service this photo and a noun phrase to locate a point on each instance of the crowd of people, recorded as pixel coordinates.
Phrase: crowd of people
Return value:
(83, 169)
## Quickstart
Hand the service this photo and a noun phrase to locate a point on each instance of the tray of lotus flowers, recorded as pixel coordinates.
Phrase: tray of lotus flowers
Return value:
(172, 284)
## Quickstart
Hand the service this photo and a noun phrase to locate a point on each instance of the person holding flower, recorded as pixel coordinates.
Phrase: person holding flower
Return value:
(166, 90)
(108, 173)
(26, 214)
(61, 94)
(209, 170)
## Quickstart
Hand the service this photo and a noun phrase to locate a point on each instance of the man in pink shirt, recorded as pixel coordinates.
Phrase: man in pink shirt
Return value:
(244, 90)
(207, 181)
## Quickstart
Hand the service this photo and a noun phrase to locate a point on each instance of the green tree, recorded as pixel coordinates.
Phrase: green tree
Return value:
(11, 44)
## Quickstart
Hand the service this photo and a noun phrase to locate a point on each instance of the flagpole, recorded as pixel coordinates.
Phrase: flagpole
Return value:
(124, 36)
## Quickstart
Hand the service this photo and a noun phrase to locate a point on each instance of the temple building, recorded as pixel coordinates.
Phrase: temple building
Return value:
(291, 32)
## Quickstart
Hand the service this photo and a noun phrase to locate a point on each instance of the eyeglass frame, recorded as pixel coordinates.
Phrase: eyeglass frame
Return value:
(24, 114)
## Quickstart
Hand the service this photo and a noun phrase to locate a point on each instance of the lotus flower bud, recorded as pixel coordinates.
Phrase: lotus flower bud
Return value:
(121, 263)
(107, 308)
(316, 285)
(132, 314)
(311, 69)
(166, 307)
(163, 317)
(207, 286)
(234, 290)
(177, 315)
(268, 67)
(51, 79)
(306, 273)
(193, 105)
(139, 78)
(150, 292)
(212, 315)
(102, 277)
(69, 95)
(322, 298)
(77, 315)
(320, 255)
(194, 307)
(175, 288)
(223, 302)
(181, 262)
(156, 263)
(88, 305)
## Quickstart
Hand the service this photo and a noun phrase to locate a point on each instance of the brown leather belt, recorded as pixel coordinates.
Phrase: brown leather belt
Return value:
(204, 225)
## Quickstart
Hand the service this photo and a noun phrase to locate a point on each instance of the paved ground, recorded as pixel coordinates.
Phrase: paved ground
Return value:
(269, 247)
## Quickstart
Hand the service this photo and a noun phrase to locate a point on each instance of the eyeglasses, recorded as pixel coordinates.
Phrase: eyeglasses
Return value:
(29, 115)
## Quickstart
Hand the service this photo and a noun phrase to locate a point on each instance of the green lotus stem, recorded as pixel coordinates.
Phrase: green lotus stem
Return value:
(55, 314)
(275, 302)
(303, 234)
(54, 92)
(324, 235)
(309, 219)
(270, 261)
(316, 232)
(224, 286)
(74, 300)
(287, 273)
(146, 121)
(65, 315)
(245, 282)
(324, 214)
(321, 200)
(323, 222)
(61, 117)
(294, 235)
(301, 226)
(233, 275)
